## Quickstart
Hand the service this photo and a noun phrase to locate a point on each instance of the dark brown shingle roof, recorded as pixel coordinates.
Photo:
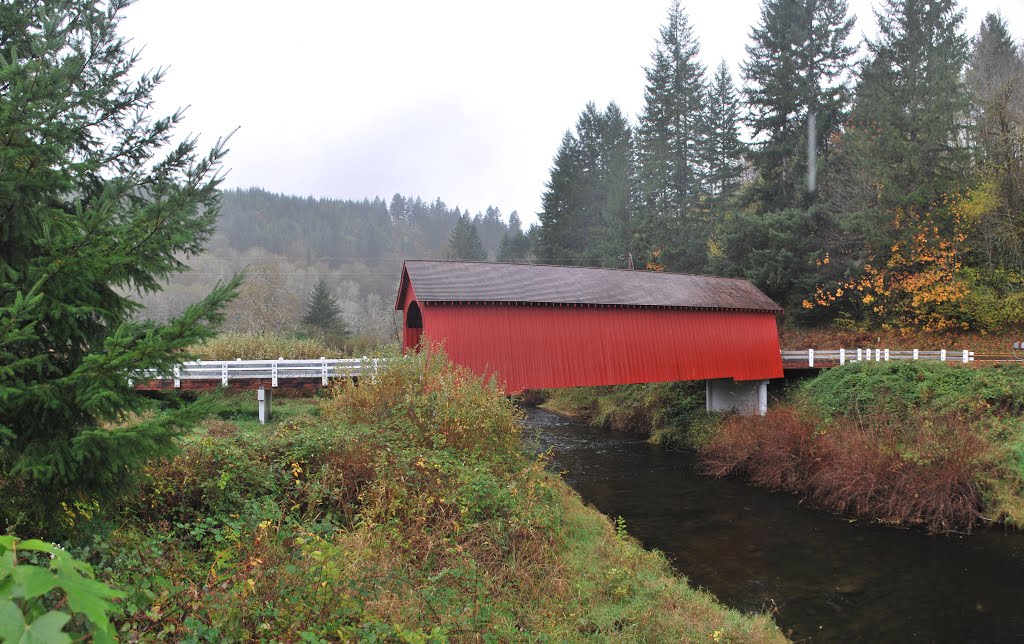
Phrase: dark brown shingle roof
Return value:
(443, 281)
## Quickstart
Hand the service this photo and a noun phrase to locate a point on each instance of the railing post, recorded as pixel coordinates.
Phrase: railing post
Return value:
(177, 377)
(942, 355)
(966, 355)
(273, 374)
(878, 355)
(224, 374)
(842, 356)
(886, 355)
(323, 370)
(860, 356)
(915, 354)
(810, 358)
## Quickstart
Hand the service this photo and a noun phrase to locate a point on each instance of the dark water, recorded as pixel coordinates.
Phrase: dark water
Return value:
(827, 578)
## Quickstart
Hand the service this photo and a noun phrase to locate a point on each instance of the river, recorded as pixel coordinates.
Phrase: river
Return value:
(826, 578)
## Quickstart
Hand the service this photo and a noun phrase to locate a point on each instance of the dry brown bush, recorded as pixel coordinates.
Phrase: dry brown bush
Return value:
(929, 476)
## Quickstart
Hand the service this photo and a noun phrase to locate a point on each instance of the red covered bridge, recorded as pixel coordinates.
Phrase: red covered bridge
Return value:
(538, 327)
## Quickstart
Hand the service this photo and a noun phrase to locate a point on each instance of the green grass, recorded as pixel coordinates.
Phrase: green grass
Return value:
(671, 413)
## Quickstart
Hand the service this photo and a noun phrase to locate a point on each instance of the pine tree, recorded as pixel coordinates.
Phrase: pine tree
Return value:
(322, 310)
(724, 150)
(585, 209)
(796, 68)
(558, 238)
(912, 103)
(670, 140)
(464, 242)
(515, 244)
(91, 217)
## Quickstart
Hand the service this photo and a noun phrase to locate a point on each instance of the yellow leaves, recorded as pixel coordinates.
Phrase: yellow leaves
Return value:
(919, 283)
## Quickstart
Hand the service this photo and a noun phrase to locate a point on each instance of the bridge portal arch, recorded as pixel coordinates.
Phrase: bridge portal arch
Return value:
(413, 329)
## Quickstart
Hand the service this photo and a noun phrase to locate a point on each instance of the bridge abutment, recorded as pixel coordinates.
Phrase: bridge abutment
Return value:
(746, 397)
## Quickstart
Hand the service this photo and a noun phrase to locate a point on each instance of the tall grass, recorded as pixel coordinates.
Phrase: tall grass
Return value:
(401, 509)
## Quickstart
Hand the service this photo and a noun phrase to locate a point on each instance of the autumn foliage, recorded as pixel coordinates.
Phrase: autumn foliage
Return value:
(917, 281)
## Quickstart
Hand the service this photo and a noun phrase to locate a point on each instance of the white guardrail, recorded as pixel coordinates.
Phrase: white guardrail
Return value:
(843, 356)
(274, 370)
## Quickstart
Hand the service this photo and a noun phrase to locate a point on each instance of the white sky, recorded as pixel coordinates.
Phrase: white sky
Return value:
(465, 100)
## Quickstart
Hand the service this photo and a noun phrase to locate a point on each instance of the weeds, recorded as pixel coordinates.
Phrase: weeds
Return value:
(907, 444)
(404, 510)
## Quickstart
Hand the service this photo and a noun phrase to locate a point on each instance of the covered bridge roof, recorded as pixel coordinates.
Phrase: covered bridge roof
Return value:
(451, 281)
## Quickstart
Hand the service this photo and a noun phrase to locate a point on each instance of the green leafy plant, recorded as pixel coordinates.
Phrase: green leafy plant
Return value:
(39, 600)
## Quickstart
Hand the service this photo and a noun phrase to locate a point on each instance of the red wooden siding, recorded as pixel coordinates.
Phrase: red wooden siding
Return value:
(537, 346)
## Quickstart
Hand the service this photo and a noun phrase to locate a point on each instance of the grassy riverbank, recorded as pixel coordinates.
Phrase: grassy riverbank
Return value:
(903, 443)
(671, 413)
(400, 510)
(912, 444)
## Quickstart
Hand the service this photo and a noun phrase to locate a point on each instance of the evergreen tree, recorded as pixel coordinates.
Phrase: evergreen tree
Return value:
(795, 71)
(91, 216)
(724, 150)
(559, 238)
(670, 148)
(322, 310)
(912, 103)
(515, 245)
(464, 242)
(585, 214)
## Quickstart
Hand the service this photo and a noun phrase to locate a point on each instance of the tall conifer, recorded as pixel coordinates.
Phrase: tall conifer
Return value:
(796, 67)
(724, 150)
(585, 216)
(93, 211)
(670, 140)
(912, 103)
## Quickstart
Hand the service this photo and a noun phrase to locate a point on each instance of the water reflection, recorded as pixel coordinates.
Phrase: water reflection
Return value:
(829, 578)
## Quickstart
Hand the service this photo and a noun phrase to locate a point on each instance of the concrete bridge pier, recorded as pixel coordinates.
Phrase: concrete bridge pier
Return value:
(747, 397)
(265, 397)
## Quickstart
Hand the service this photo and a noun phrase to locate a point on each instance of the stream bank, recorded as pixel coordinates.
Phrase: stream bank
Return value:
(825, 577)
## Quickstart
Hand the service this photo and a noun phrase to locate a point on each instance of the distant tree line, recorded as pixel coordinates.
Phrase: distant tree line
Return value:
(887, 189)
(341, 230)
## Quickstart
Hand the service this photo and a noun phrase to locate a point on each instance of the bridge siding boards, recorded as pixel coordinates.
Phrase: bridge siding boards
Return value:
(533, 345)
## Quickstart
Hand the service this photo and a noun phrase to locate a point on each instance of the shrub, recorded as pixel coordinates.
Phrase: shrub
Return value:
(908, 443)
(46, 595)
(267, 346)
(431, 401)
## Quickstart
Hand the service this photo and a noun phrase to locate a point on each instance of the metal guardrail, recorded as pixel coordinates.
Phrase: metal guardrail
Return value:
(274, 370)
(844, 356)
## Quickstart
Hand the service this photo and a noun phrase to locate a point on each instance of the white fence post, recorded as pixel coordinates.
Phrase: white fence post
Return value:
(224, 374)
(177, 377)
(273, 374)
(878, 355)
(966, 355)
(810, 357)
(886, 355)
(915, 354)
(942, 355)
(323, 370)
(842, 356)
(860, 356)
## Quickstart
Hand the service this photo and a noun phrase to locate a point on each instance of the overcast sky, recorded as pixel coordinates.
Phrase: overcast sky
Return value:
(462, 100)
